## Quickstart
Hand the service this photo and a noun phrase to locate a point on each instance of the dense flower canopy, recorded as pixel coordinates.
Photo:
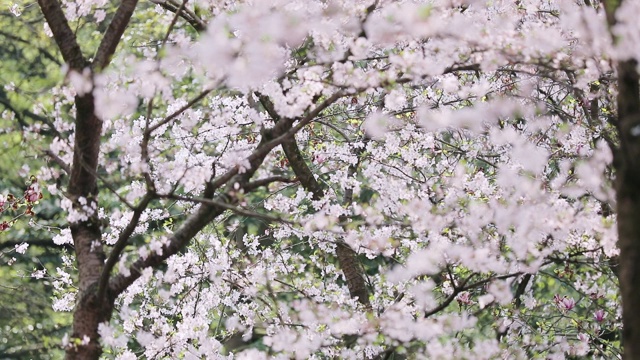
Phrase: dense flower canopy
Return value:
(348, 179)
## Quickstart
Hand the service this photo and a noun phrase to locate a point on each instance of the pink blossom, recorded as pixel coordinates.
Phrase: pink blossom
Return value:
(599, 315)
(464, 298)
(565, 303)
(568, 303)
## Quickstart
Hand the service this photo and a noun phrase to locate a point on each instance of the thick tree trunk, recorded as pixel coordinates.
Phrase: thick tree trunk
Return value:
(627, 163)
(88, 314)
(629, 244)
(627, 184)
(90, 311)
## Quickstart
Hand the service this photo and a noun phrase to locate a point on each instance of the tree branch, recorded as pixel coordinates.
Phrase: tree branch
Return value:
(45, 243)
(347, 257)
(190, 17)
(211, 208)
(464, 287)
(192, 225)
(62, 33)
(271, 138)
(64, 166)
(179, 111)
(267, 181)
(113, 34)
(119, 246)
(227, 206)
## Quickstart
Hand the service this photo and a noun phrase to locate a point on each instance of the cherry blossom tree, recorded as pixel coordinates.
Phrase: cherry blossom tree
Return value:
(346, 179)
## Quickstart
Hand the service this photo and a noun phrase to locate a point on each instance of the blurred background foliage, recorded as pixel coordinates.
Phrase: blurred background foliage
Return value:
(29, 69)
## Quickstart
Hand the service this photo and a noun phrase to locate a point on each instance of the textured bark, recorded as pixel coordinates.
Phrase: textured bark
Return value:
(629, 243)
(86, 234)
(627, 163)
(62, 33)
(90, 309)
(89, 312)
(300, 168)
(350, 266)
(627, 184)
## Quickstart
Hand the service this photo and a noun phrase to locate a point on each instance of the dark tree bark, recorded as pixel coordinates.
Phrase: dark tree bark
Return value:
(627, 186)
(347, 257)
(90, 310)
(627, 164)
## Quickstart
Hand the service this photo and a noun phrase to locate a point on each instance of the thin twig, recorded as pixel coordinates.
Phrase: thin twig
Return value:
(177, 113)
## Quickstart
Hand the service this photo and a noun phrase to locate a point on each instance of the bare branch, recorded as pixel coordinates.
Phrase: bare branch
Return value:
(62, 33)
(58, 161)
(266, 181)
(227, 206)
(173, 22)
(114, 32)
(179, 111)
(189, 16)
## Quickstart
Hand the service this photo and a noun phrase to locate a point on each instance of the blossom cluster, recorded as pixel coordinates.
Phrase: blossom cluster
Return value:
(457, 154)
(18, 207)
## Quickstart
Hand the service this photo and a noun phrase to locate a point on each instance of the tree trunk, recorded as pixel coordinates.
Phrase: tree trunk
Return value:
(90, 311)
(628, 198)
(627, 164)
